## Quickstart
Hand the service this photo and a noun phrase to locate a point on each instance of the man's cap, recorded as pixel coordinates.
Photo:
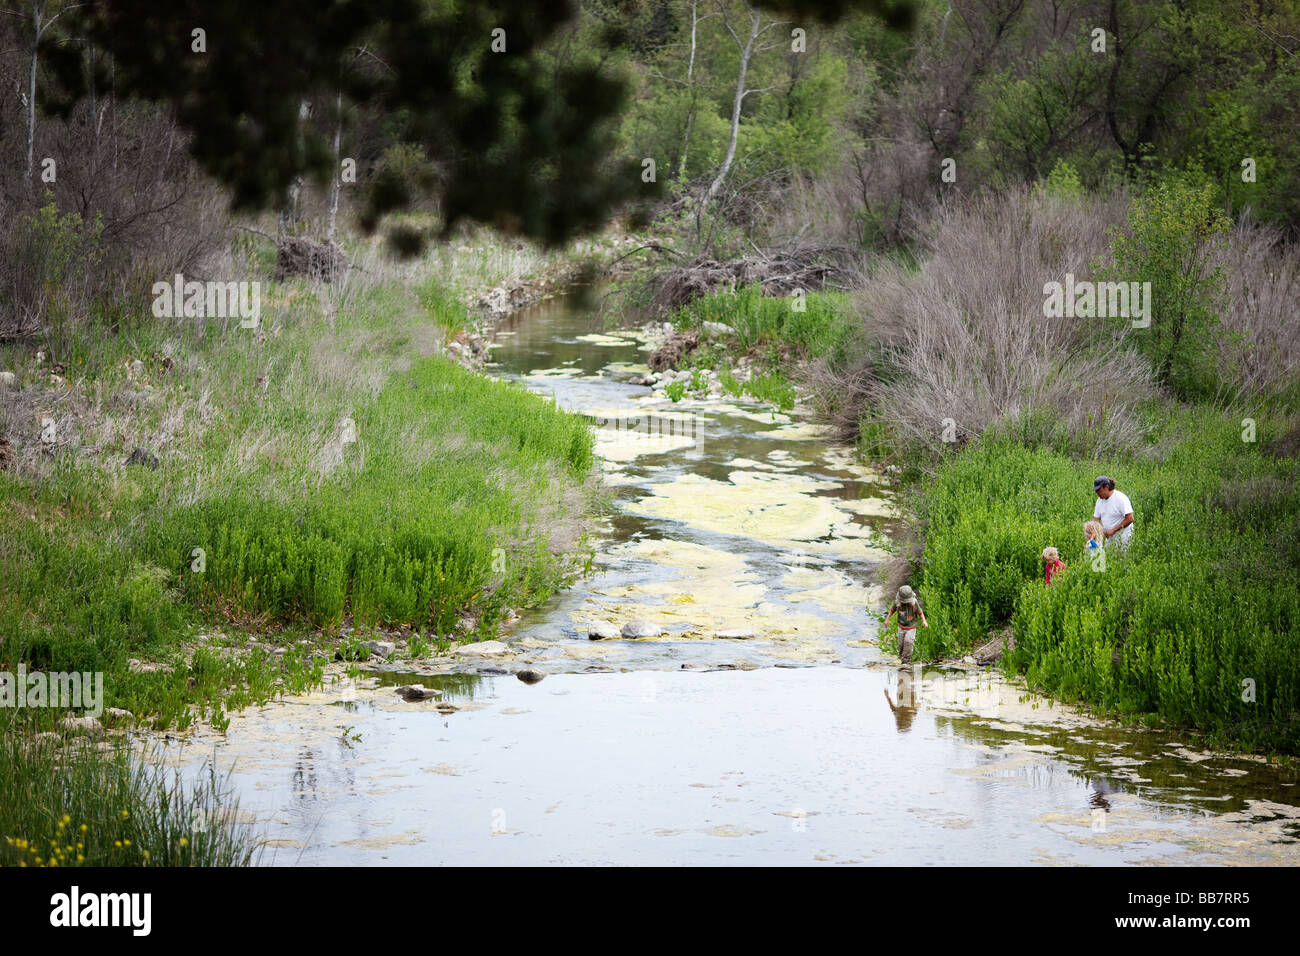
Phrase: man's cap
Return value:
(1100, 481)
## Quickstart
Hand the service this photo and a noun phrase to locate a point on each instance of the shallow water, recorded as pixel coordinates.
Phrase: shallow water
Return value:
(798, 742)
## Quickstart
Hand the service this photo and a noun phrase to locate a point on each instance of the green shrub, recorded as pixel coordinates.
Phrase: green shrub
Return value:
(1173, 228)
(814, 325)
(1206, 598)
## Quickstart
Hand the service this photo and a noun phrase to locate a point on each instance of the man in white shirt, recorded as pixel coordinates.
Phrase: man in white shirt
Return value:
(1114, 511)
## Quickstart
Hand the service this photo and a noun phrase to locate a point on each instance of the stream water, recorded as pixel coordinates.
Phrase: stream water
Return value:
(762, 726)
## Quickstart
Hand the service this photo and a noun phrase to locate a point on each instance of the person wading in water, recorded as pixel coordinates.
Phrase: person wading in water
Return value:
(908, 609)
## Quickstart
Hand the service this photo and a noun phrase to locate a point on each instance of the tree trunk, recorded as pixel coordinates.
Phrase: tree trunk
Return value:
(690, 86)
(93, 110)
(38, 8)
(745, 53)
(338, 174)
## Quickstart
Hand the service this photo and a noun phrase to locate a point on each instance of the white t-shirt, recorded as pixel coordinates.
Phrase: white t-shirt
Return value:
(1111, 511)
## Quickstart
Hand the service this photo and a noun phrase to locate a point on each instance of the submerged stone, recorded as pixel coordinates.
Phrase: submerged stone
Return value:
(488, 648)
(416, 692)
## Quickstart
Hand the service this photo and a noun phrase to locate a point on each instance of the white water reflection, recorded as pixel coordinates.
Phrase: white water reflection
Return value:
(770, 766)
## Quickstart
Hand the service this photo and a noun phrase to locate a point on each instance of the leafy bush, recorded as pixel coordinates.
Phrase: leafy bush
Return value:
(1063, 181)
(45, 280)
(1173, 229)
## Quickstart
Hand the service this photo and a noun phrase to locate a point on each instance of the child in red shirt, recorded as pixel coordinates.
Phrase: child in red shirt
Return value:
(1052, 561)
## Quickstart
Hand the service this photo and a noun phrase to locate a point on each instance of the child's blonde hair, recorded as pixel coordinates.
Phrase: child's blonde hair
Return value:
(1051, 554)
(1092, 530)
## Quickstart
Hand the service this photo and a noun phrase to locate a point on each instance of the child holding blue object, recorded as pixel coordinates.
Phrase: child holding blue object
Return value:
(1093, 535)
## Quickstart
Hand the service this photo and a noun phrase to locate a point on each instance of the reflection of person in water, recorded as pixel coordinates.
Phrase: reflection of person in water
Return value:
(1100, 790)
(1098, 803)
(905, 709)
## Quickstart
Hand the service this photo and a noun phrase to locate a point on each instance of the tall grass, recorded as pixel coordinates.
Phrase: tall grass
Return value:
(75, 806)
(1202, 612)
(814, 324)
(435, 518)
(1258, 348)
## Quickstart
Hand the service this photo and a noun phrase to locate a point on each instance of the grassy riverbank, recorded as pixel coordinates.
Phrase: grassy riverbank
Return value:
(1197, 624)
(765, 339)
(329, 466)
(330, 472)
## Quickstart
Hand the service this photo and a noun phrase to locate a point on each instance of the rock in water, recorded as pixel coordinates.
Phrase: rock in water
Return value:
(81, 725)
(416, 692)
(484, 647)
(601, 630)
(738, 634)
(641, 629)
(382, 649)
(673, 349)
(530, 676)
(992, 652)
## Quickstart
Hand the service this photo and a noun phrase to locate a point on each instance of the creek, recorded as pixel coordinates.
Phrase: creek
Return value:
(761, 726)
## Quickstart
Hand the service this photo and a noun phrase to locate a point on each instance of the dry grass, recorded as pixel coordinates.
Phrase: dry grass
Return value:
(948, 350)
(1260, 350)
(879, 195)
(280, 394)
